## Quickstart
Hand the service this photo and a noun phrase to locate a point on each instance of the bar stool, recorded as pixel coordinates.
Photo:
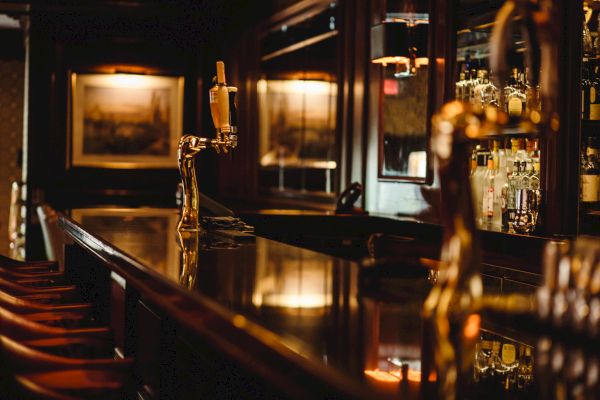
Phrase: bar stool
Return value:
(7, 262)
(19, 327)
(39, 331)
(24, 306)
(19, 289)
(26, 389)
(33, 370)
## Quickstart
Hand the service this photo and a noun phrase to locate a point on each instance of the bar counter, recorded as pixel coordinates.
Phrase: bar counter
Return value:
(214, 317)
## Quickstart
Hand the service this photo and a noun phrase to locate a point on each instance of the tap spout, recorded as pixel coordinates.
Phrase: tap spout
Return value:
(189, 146)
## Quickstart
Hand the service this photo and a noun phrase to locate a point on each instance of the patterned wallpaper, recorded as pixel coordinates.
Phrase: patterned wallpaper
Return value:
(11, 136)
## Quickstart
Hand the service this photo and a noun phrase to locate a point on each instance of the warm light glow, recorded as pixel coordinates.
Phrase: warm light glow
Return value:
(128, 80)
(472, 326)
(309, 87)
(421, 61)
(381, 376)
(412, 375)
(417, 163)
(294, 300)
(391, 60)
(394, 375)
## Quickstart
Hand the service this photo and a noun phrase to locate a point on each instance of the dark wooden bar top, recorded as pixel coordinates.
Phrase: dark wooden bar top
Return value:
(303, 324)
(289, 315)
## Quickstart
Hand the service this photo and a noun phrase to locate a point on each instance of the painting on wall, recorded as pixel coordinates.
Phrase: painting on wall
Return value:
(125, 120)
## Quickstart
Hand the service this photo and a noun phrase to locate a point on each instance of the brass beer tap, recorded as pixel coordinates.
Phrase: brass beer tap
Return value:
(222, 106)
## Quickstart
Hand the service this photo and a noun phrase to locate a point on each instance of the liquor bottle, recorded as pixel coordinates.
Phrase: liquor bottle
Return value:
(490, 206)
(511, 155)
(473, 165)
(514, 96)
(588, 44)
(595, 95)
(525, 370)
(489, 92)
(504, 206)
(532, 95)
(529, 143)
(460, 87)
(585, 89)
(470, 86)
(513, 182)
(535, 153)
(510, 363)
(521, 152)
(477, 183)
(495, 153)
(590, 174)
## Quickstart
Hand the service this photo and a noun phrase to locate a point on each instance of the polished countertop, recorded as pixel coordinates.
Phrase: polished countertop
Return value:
(341, 321)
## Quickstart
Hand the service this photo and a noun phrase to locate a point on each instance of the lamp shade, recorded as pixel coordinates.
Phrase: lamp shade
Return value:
(390, 42)
(398, 42)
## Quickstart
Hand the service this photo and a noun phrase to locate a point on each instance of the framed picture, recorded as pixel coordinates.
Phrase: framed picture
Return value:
(147, 234)
(125, 120)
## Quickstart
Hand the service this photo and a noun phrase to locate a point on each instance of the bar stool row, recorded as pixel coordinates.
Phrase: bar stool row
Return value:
(50, 344)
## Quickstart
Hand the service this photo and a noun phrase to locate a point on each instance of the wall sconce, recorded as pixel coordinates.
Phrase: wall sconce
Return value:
(403, 43)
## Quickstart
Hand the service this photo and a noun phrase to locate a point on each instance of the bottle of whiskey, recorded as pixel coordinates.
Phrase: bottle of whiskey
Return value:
(532, 94)
(594, 106)
(585, 89)
(590, 174)
(514, 96)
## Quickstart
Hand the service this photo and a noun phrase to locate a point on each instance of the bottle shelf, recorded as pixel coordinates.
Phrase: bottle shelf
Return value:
(514, 131)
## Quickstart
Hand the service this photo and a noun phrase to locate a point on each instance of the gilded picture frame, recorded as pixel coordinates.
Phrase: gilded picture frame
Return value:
(125, 120)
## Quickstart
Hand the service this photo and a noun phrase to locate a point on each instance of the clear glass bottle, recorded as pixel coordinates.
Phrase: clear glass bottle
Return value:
(460, 87)
(470, 86)
(479, 88)
(511, 154)
(489, 205)
(477, 184)
(513, 182)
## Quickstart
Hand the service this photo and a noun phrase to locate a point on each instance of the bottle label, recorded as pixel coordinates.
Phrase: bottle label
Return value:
(592, 94)
(508, 353)
(488, 202)
(515, 107)
(594, 111)
(590, 185)
(486, 345)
